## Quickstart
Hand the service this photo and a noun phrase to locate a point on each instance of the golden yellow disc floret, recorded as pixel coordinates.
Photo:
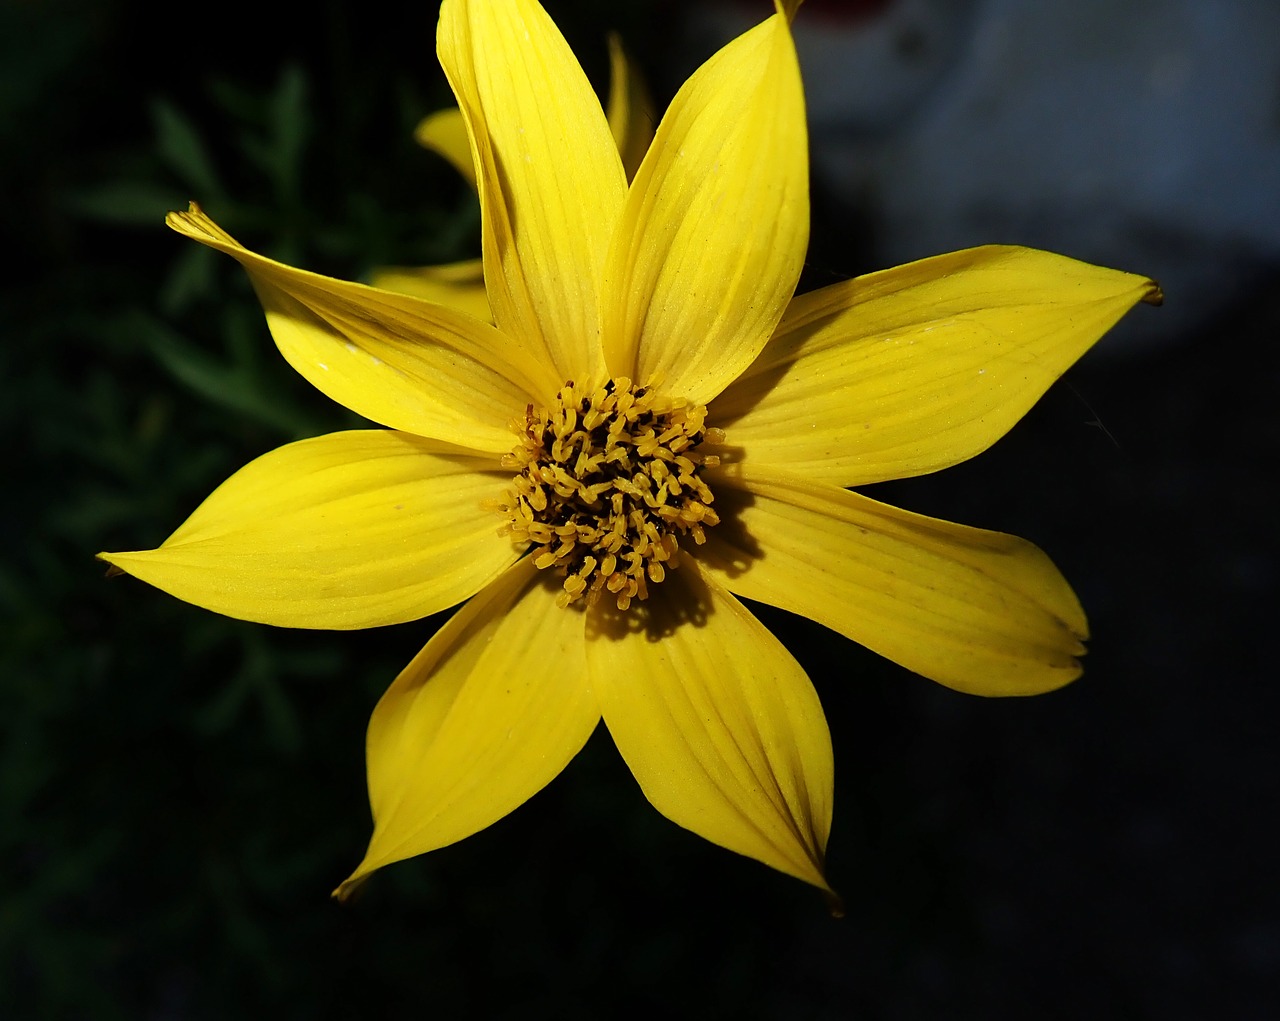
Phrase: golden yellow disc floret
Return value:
(607, 481)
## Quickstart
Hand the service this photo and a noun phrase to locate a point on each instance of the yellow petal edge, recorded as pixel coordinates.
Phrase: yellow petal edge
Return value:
(351, 530)
(919, 367)
(486, 715)
(718, 723)
(978, 611)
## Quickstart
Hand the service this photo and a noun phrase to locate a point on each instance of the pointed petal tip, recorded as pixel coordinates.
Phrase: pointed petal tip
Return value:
(834, 903)
(175, 217)
(1061, 670)
(1057, 678)
(817, 878)
(943, 355)
(351, 888)
(787, 8)
(469, 731)
(720, 726)
(310, 535)
(832, 900)
(112, 570)
(981, 612)
(196, 224)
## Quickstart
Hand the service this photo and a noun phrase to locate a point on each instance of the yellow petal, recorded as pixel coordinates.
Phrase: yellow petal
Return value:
(716, 223)
(629, 109)
(978, 611)
(717, 721)
(399, 361)
(789, 8)
(445, 132)
(350, 530)
(916, 368)
(551, 183)
(456, 285)
(483, 718)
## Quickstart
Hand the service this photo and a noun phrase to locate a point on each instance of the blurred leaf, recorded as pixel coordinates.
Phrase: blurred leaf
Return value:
(131, 203)
(180, 145)
(258, 676)
(279, 152)
(278, 714)
(34, 52)
(234, 385)
(221, 712)
(192, 278)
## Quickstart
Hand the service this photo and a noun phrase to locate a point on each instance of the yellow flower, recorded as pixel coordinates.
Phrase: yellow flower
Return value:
(653, 428)
(460, 285)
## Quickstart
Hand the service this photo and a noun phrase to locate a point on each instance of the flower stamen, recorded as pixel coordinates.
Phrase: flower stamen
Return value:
(607, 481)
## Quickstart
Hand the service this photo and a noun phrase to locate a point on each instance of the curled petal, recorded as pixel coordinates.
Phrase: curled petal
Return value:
(717, 721)
(486, 715)
(716, 223)
(456, 285)
(445, 133)
(350, 530)
(978, 611)
(551, 183)
(916, 368)
(397, 360)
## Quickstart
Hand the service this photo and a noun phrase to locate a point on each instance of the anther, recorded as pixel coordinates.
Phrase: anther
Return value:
(605, 484)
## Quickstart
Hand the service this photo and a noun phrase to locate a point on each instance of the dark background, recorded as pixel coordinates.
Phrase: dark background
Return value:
(179, 792)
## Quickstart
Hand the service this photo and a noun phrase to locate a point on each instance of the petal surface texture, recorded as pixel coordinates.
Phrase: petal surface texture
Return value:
(717, 721)
(458, 285)
(550, 178)
(716, 224)
(400, 361)
(919, 367)
(350, 530)
(978, 611)
(489, 712)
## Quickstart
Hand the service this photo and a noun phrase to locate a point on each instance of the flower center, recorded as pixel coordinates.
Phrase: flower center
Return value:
(607, 482)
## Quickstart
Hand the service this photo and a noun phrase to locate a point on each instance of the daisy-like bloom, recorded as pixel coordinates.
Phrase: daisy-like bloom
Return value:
(653, 427)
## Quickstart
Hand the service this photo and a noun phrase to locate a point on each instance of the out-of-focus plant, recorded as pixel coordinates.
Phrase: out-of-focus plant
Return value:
(122, 399)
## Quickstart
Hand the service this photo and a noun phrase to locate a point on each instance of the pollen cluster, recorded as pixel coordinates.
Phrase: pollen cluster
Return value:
(608, 481)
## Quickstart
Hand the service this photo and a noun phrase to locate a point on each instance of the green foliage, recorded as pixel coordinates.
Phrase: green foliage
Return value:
(169, 778)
